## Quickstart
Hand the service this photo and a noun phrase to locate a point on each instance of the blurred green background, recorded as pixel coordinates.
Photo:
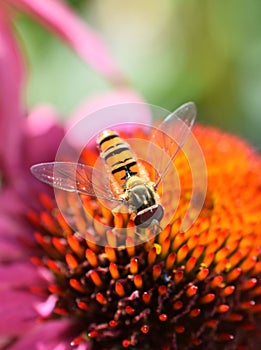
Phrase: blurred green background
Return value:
(172, 51)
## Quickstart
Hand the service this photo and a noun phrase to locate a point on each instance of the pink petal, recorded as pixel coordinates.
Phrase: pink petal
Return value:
(92, 117)
(63, 22)
(46, 307)
(11, 79)
(50, 335)
(41, 119)
(17, 313)
(43, 135)
(99, 101)
(83, 346)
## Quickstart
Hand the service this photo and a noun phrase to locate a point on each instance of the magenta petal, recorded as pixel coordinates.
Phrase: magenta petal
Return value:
(62, 21)
(12, 206)
(17, 313)
(9, 251)
(12, 230)
(11, 78)
(10, 203)
(50, 335)
(20, 274)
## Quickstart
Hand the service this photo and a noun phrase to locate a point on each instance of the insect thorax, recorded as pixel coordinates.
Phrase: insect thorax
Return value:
(140, 195)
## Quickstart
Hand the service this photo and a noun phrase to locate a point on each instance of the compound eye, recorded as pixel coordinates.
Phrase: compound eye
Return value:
(144, 218)
(158, 215)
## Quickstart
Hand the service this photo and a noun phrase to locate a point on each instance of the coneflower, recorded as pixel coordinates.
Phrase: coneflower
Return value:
(179, 290)
(198, 289)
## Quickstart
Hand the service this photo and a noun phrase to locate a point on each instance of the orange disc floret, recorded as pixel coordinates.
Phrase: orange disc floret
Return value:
(197, 288)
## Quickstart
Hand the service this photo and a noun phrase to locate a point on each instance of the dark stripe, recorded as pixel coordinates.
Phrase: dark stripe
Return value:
(121, 162)
(113, 146)
(108, 138)
(127, 169)
(116, 151)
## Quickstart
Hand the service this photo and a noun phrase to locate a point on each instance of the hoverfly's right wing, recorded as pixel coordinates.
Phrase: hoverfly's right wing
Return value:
(168, 138)
(75, 177)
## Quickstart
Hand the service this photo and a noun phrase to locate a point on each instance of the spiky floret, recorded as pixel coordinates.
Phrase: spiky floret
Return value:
(197, 289)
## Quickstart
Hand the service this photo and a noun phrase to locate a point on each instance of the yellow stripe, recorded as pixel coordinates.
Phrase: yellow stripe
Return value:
(116, 161)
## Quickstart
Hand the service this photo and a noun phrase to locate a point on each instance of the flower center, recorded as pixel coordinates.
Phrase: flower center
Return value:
(199, 288)
(177, 284)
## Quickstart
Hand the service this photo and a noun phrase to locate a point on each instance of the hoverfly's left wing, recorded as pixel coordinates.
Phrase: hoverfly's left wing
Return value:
(75, 177)
(169, 137)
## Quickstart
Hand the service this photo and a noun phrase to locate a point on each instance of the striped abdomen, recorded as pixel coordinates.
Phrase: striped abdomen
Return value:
(118, 156)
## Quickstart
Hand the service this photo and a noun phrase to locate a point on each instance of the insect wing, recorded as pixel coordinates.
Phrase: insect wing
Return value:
(169, 137)
(75, 177)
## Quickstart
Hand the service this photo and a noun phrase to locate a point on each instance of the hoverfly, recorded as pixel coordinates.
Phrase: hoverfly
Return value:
(139, 193)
